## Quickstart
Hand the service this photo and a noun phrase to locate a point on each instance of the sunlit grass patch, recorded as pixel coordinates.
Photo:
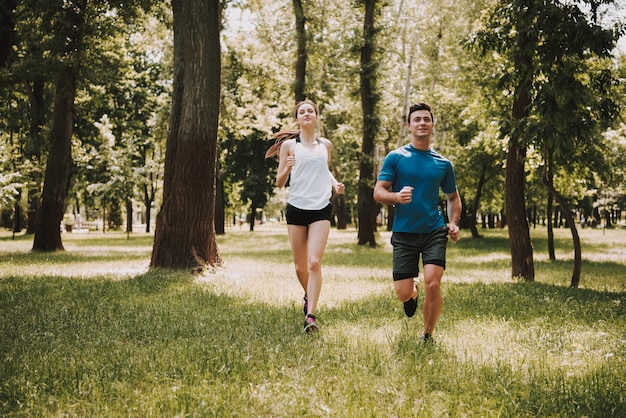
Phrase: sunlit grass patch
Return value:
(276, 283)
(230, 342)
(537, 345)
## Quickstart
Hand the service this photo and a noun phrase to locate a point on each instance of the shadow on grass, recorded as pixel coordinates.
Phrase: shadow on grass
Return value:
(124, 343)
(529, 301)
(69, 258)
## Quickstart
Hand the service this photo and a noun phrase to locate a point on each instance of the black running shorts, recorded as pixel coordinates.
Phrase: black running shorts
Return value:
(302, 217)
(407, 248)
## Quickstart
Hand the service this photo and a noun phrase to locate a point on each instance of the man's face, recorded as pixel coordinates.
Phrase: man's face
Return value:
(421, 124)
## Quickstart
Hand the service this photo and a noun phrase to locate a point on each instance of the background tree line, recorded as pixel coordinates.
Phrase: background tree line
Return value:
(527, 99)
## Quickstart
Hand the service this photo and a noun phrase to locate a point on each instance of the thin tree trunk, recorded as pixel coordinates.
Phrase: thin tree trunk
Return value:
(220, 219)
(17, 214)
(522, 263)
(519, 231)
(129, 215)
(476, 203)
(339, 204)
(251, 218)
(7, 32)
(57, 175)
(56, 180)
(550, 227)
(185, 231)
(572, 226)
(36, 101)
(148, 198)
(550, 208)
(299, 85)
(369, 100)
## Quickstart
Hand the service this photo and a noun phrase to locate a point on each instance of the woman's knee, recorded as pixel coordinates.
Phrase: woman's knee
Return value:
(301, 269)
(315, 264)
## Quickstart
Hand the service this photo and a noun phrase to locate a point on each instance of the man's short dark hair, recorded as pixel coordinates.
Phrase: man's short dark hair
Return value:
(419, 106)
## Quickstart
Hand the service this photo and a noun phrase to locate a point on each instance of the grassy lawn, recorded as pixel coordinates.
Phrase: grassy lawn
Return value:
(91, 332)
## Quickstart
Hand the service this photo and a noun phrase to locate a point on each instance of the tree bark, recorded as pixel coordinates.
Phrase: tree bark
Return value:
(57, 175)
(369, 100)
(129, 214)
(36, 100)
(220, 220)
(519, 231)
(7, 32)
(148, 197)
(56, 179)
(339, 204)
(476, 203)
(550, 207)
(185, 230)
(522, 263)
(299, 85)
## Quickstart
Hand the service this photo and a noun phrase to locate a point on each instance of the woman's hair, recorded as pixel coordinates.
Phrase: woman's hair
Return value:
(309, 102)
(284, 135)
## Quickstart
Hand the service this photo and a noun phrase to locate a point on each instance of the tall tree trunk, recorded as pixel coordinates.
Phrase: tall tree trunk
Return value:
(33, 209)
(519, 231)
(148, 198)
(7, 31)
(522, 263)
(299, 85)
(369, 101)
(17, 214)
(476, 203)
(339, 204)
(550, 227)
(36, 100)
(220, 220)
(56, 180)
(550, 209)
(251, 217)
(129, 215)
(185, 230)
(57, 175)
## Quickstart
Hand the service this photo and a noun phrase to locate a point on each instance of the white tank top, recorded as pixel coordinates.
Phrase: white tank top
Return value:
(310, 187)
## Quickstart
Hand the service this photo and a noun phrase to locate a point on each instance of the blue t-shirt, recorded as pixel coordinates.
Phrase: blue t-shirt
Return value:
(426, 172)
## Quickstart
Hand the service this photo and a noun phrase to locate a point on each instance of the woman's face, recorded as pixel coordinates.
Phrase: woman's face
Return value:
(306, 115)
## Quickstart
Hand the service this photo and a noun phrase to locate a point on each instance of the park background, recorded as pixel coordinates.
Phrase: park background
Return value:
(96, 96)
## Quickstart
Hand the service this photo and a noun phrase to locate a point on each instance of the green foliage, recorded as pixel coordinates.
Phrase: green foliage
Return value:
(91, 333)
(247, 167)
(126, 74)
(572, 101)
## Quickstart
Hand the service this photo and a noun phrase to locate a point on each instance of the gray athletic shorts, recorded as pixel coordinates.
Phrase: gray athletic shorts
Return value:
(408, 246)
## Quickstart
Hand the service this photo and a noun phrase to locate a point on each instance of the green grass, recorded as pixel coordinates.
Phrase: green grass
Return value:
(91, 332)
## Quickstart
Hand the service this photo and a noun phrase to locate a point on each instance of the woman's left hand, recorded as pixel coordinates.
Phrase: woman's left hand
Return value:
(340, 188)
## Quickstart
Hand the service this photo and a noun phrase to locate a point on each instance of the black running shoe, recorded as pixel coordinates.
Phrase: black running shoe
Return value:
(426, 339)
(410, 306)
(309, 324)
(306, 306)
